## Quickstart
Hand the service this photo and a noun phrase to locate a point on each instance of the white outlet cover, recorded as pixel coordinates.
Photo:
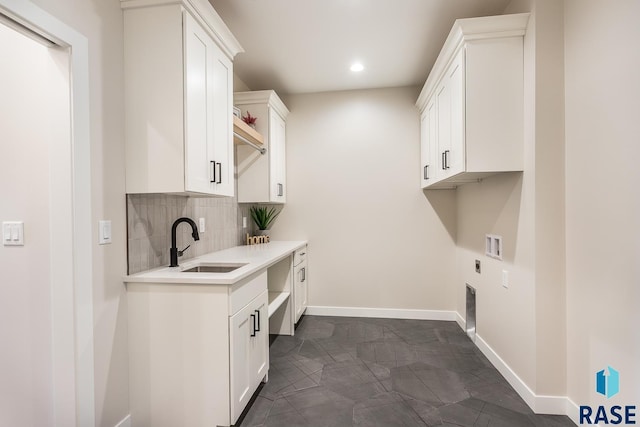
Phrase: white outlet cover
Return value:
(505, 279)
(201, 225)
(493, 246)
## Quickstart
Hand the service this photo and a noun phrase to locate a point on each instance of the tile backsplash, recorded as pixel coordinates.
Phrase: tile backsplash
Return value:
(149, 221)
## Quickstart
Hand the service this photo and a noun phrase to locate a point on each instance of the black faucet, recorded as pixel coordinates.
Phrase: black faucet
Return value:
(175, 253)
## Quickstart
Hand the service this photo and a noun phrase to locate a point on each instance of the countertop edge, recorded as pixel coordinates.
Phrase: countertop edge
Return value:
(163, 275)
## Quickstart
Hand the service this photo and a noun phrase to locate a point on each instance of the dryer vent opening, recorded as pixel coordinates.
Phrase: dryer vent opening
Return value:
(471, 312)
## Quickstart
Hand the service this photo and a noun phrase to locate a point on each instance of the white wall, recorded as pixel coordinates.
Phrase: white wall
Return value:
(527, 209)
(376, 240)
(101, 22)
(603, 202)
(29, 109)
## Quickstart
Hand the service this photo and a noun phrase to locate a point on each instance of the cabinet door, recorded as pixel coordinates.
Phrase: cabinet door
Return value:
(424, 150)
(208, 117)
(241, 336)
(443, 127)
(277, 158)
(249, 351)
(455, 75)
(428, 136)
(260, 343)
(222, 123)
(198, 70)
(300, 291)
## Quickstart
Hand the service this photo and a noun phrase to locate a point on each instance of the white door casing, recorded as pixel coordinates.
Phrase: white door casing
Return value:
(70, 211)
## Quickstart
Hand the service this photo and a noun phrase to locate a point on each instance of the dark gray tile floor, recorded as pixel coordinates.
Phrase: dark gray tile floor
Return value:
(341, 372)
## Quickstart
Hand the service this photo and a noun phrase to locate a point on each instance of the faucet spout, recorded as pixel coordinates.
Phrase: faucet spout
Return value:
(174, 253)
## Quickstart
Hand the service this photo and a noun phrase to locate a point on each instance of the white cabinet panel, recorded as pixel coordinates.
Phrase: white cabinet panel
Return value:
(249, 357)
(262, 178)
(472, 103)
(178, 100)
(300, 283)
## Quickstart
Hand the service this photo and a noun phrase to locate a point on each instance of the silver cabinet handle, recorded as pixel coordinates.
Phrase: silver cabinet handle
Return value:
(304, 274)
(280, 189)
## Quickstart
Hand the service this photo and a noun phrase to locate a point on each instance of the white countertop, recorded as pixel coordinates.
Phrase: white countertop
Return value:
(256, 258)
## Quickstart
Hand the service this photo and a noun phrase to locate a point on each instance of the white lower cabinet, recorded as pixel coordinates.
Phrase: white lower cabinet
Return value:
(300, 286)
(197, 352)
(249, 343)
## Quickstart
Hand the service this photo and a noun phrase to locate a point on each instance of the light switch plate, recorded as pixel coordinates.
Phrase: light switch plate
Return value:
(13, 233)
(104, 232)
(505, 279)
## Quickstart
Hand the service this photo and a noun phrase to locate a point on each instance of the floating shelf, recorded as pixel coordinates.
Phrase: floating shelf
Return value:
(245, 134)
(276, 299)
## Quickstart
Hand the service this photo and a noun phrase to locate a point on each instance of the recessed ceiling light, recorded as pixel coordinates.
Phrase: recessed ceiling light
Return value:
(357, 67)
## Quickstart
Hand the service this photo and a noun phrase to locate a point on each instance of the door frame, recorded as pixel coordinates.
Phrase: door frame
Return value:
(71, 279)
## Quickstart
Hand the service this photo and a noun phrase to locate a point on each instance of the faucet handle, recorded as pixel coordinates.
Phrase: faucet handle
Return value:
(180, 253)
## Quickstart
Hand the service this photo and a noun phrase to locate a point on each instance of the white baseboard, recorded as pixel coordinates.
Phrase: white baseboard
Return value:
(385, 313)
(554, 405)
(461, 322)
(126, 422)
(573, 412)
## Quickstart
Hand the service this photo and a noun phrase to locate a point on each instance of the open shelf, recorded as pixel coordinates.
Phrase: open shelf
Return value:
(276, 299)
(246, 133)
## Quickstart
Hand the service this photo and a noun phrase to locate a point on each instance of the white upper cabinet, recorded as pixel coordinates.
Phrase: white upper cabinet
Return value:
(263, 178)
(472, 104)
(178, 98)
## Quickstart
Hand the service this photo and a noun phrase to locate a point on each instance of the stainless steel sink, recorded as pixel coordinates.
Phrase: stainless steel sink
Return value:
(213, 268)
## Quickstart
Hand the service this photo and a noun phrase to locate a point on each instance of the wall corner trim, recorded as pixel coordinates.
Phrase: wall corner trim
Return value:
(383, 313)
(125, 422)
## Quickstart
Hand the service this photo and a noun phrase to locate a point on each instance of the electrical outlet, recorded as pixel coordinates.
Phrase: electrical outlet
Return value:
(505, 279)
(478, 266)
(201, 225)
(244, 222)
(493, 246)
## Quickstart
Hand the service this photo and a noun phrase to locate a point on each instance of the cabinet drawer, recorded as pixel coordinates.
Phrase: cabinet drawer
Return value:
(243, 292)
(299, 256)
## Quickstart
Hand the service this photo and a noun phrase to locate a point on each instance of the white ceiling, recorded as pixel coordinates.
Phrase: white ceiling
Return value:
(300, 46)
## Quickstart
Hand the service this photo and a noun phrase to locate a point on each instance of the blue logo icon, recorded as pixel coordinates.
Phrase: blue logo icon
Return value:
(608, 383)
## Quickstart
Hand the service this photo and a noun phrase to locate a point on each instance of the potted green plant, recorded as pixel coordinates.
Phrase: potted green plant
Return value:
(263, 217)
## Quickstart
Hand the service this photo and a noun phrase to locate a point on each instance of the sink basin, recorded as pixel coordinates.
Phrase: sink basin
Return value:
(213, 268)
